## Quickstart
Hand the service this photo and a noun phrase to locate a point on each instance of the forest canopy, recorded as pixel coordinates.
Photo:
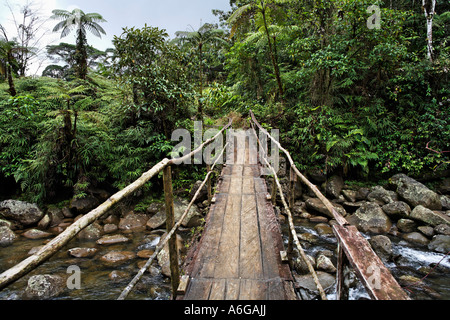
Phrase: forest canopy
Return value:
(362, 93)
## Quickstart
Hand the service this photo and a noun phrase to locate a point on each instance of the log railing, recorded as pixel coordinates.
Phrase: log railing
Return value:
(353, 248)
(47, 251)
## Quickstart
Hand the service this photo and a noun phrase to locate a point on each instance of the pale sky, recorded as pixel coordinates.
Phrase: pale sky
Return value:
(172, 15)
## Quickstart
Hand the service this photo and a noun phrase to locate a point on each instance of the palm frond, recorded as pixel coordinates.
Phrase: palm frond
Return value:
(60, 14)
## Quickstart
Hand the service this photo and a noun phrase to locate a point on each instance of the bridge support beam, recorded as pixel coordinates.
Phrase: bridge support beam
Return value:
(170, 222)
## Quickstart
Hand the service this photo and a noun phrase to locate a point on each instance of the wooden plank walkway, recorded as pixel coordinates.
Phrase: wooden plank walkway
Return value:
(238, 257)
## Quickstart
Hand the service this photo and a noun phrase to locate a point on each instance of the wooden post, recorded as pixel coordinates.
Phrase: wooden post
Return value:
(208, 184)
(292, 183)
(274, 191)
(170, 222)
(342, 264)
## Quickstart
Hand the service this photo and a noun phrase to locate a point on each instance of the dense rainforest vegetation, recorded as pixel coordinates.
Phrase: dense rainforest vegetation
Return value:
(353, 91)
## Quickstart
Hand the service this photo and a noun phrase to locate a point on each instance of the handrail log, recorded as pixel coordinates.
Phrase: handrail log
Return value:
(340, 219)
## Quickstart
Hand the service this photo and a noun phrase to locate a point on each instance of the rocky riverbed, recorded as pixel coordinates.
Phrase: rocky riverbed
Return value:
(407, 224)
(106, 255)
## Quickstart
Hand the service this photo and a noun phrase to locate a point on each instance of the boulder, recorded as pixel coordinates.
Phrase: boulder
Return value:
(36, 234)
(397, 209)
(334, 186)
(163, 255)
(442, 229)
(382, 246)
(445, 202)
(154, 208)
(380, 195)
(82, 252)
(428, 216)
(406, 225)
(44, 223)
(370, 218)
(203, 195)
(317, 205)
(323, 229)
(83, 206)
(426, 230)
(416, 237)
(133, 222)
(349, 195)
(26, 214)
(91, 233)
(7, 236)
(110, 228)
(192, 219)
(415, 193)
(308, 286)
(362, 194)
(317, 176)
(56, 216)
(324, 263)
(440, 243)
(44, 286)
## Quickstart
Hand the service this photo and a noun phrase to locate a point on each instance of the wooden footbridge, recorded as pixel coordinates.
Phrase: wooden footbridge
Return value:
(241, 255)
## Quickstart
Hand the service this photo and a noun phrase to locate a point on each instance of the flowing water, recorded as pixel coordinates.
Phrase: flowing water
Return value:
(407, 260)
(96, 283)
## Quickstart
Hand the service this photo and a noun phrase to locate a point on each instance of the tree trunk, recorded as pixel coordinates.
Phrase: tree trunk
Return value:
(81, 55)
(12, 88)
(200, 102)
(429, 7)
(272, 56)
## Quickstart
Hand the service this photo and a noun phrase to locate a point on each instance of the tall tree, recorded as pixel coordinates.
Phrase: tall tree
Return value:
(429, 7)
(82, 22)
(206, 34)
(260, 10)
(7, 60)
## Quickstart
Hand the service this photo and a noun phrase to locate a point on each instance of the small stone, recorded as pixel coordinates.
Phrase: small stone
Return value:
(426, 230)
(323, 229)
(117, 238)
(115, 258)
(36, 234)
(324, 263)
(145, 253)
(82, 252)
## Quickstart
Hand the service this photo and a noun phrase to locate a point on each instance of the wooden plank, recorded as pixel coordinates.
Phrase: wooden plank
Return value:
(376, 278)
(206, 259)
(198, 289)
(228, 253)
(275, 289)
(236, 185)
(248, 185)
(253, 290)
(250, 265)
(232, 289)
(218, 290)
